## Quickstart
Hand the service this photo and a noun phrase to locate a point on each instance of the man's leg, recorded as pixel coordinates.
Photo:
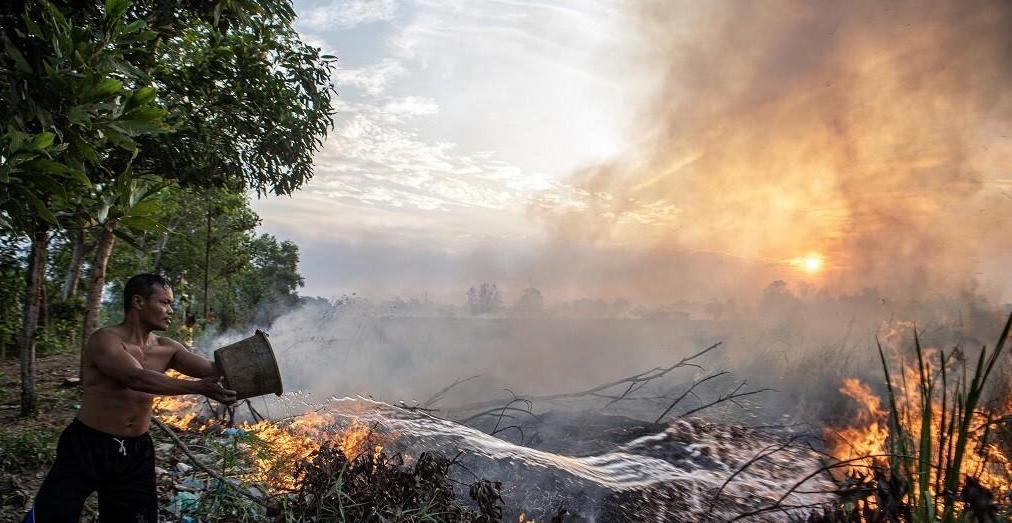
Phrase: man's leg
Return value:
(129, 495)
(69, 482)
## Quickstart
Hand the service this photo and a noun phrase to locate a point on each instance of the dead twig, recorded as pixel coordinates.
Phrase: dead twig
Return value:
(415, 408)
(686, 393)
(636, 381)
(762, 454)
(729, 397)
(779, 503)
(496, 412)
(213, 473)
(439, 395)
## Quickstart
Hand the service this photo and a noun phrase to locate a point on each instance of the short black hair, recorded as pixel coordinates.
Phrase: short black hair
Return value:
(142, 285)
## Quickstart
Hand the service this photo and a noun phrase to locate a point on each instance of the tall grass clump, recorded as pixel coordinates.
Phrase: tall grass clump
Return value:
(942, 445)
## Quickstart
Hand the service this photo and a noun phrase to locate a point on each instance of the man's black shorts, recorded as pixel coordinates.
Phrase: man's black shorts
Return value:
(122, 470)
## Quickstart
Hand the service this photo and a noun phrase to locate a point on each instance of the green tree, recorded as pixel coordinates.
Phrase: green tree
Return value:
(12, 284)
(67, 109)
(249, 278)
(248, 101)
(271, 283)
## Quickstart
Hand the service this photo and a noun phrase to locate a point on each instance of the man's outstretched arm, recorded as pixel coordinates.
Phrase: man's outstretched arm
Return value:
(108, 354)
(190, 363)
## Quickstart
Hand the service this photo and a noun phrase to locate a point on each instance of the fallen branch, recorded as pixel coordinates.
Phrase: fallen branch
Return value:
(686, 393)
(213, 473)
(499, 412)
(730, 397)
(779, 503)
(632, 381)
(439, 395)
(762, 454)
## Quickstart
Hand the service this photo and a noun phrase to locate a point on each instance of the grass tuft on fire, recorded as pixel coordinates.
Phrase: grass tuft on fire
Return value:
(942, 454)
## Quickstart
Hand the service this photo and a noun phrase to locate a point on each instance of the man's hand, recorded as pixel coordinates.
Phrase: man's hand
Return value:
(216, 392)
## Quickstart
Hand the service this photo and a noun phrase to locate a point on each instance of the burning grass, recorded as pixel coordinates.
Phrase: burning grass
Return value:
(308, 468)
(334, 487)
(272, 451)
(933, 450)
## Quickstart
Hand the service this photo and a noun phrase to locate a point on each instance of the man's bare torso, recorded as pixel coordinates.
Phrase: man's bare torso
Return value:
(112, 407)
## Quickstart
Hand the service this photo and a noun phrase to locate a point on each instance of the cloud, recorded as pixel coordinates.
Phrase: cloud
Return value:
(372, 159)
(372, 80)
(407, 107)
(348, 14)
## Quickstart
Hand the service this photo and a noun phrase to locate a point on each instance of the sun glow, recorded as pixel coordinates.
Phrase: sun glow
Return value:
(811, 263)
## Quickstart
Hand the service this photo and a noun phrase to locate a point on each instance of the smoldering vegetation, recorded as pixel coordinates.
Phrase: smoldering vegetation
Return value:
(800, 346)
(608, 409)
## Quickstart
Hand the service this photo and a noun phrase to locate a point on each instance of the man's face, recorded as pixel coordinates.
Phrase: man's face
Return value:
(156, 310)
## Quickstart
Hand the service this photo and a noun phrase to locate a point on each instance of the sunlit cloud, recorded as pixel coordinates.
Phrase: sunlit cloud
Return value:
(373, 79)
(347, 14)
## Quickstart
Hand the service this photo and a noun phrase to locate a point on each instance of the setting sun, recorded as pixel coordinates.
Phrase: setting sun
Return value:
(813, 264)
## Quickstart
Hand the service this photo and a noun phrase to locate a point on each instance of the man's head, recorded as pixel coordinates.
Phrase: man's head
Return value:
(149, 297)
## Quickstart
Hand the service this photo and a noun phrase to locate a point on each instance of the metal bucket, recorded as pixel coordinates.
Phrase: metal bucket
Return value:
(249, 367)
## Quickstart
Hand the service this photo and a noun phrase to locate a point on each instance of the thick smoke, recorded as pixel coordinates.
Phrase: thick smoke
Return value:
(877, 134)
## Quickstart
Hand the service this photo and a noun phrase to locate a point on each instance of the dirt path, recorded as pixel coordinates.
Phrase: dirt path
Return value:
(57, 406)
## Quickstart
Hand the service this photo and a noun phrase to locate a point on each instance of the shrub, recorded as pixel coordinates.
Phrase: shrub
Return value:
(22, 452)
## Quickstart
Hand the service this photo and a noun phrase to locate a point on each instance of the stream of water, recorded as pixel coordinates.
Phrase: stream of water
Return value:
(672, 475)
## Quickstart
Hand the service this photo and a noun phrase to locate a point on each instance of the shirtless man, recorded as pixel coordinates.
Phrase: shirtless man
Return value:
(107, 447)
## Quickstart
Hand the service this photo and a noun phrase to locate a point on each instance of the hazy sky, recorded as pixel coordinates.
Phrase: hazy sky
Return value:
(658, 150)
(452, 117)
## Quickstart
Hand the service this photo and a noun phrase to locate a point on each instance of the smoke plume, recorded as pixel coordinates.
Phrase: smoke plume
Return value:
(875, 135)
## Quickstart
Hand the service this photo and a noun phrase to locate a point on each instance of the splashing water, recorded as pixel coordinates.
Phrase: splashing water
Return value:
(674, 474)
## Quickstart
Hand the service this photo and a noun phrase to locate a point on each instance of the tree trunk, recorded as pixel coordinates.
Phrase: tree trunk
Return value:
(162, 242)
(74, 272)
(207, 257)
(157, 265)
(33, 297)
(93, 305)
(43, 303)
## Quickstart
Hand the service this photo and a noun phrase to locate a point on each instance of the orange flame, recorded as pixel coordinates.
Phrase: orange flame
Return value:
(868, 434)
(276, 448)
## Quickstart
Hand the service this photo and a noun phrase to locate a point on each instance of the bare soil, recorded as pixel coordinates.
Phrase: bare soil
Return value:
(57, 406)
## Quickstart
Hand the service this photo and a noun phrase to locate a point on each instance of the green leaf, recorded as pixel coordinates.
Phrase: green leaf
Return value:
(114, 9)
(47, 166)
(125, 236)
(140, 223)
(146, 114)
(47, 184)
(33, 27)
(19, 59)
(40, 207)
(79, 177)
(56, 14)
(79, 114)
(139, 97)
(84, 149)
(16, 137)
(132, 27)
(142, 36)
(60, 169)
(107, 87)
(43, 140)
(144, 209)
(144, 120)
(121, 140)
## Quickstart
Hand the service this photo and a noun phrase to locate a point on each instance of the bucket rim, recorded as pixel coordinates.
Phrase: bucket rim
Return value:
(274, 360)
